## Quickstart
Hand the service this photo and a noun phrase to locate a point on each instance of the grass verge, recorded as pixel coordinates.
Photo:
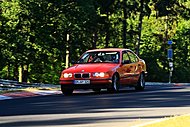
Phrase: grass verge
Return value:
(177, 121)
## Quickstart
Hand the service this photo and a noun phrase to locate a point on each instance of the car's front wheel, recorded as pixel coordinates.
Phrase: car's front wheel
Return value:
(115, 84)
(66, 91)
(141, 83)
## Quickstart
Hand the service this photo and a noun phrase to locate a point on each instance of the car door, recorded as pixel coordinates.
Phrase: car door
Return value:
(126, 69)
(136, 67)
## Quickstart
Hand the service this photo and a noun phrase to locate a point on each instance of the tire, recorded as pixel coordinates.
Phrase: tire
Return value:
(141, 83)
(97, 90)
(115, 84)
(66, 91)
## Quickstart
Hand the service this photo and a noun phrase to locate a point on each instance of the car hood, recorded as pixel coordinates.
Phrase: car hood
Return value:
(91, 68)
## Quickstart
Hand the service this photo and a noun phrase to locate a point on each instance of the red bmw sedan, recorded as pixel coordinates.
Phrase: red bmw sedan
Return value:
(110, 68)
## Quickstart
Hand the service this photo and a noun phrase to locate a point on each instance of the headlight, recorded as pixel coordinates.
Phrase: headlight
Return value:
(67, 75)
(100, 74)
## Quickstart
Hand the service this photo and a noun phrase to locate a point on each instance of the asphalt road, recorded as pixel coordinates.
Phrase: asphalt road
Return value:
(89, 109)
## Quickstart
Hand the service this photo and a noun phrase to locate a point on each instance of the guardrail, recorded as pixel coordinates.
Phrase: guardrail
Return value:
(11, 84)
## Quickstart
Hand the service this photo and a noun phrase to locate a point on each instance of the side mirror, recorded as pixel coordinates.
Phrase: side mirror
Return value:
(126, 62)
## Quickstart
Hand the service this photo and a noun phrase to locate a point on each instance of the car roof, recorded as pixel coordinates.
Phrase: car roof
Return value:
(108, 49)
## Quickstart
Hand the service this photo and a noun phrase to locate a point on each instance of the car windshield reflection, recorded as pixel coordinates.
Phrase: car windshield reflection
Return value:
(99, 57)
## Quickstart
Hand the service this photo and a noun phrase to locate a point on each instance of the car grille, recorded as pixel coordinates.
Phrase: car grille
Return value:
(81, 75)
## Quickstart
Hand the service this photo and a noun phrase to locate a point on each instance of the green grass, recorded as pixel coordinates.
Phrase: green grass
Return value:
(177, 121)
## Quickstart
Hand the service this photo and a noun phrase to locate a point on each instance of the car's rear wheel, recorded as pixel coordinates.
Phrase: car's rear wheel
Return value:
(115, 84)
(141, 83)
(66, 91)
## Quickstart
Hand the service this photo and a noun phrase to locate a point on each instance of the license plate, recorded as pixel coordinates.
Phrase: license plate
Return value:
(81, 81)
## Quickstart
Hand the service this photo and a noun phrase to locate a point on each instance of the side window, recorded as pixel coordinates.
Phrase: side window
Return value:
(125, 58)
(132, 57)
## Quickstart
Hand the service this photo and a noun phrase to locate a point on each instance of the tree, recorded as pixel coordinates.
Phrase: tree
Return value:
(33, 34)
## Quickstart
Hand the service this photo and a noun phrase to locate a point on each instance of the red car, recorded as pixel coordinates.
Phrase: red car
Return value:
(109, 69)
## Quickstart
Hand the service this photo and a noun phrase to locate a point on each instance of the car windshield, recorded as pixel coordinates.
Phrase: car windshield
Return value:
(100, 57)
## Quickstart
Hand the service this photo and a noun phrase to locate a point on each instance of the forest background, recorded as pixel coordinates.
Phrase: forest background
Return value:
(33, 35)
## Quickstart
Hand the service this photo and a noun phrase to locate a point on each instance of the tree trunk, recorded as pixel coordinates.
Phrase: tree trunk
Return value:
(124, 24)
(20, 73)
(140, 26)
(165, 43)
(16, 73)
(67, 53)
(24, 73)
(107, 30)
(95, 38)
(8, 71)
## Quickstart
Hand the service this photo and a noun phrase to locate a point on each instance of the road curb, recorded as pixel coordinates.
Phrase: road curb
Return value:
(14, 95)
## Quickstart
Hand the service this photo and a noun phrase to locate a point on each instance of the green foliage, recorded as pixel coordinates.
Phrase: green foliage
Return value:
(34, 34)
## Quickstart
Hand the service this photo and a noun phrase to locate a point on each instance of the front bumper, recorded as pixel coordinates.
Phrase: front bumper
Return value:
(94, 83)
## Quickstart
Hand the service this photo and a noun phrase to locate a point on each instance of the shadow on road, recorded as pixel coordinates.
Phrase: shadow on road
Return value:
(153, 96)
